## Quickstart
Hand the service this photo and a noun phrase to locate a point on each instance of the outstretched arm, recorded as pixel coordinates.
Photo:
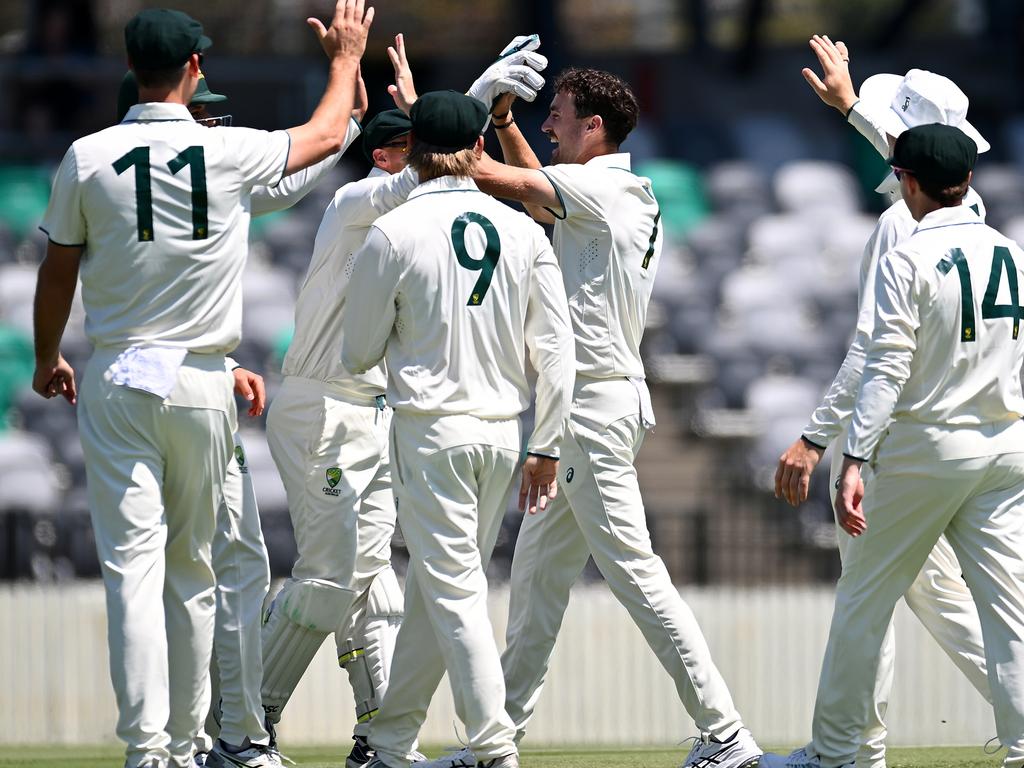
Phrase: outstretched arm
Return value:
(528, 186)
(343, 42)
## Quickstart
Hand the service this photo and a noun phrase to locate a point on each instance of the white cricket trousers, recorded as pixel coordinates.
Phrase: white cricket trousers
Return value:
(155, 472)
(242, 568)
(599, 512)
(343, 522)
(310, 432)
(940, 599)
(452, 475)
(979, 505)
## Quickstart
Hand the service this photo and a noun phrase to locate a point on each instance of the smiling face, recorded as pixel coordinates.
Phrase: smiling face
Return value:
(566, 131)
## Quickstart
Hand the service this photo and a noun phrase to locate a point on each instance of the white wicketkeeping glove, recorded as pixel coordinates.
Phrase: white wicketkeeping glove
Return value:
(517, 71)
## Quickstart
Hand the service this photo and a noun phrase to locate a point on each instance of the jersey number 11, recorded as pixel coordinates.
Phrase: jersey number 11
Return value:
(195, 159)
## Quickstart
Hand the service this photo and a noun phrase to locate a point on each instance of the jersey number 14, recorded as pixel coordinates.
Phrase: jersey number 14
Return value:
(1002, 262)
(195, 159)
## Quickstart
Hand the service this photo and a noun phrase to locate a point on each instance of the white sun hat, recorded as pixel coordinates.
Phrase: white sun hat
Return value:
(918, 98)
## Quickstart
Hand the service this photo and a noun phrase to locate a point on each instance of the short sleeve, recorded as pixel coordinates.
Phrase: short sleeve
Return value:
(64, 222)
(260, 156)
(579, 189)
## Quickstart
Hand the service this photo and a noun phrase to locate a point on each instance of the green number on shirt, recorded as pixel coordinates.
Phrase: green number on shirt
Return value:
(195, 158)
(485, 265)
(1002, 262)
(654, 236)
(139, 158)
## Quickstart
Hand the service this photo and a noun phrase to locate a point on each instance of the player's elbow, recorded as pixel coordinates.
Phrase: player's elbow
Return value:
(353, 361)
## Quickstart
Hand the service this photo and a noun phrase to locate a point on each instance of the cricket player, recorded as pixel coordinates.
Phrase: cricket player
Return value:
(328, 434)
(239, 555)
(938, 415)
(608, 239)
(161, 250)
(340, 495)
(938, 597)
(450, 289)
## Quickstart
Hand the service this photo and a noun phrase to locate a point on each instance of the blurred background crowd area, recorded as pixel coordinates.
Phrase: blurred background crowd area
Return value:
(766, 197)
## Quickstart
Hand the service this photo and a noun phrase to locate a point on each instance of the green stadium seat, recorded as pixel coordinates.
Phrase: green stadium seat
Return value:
(24, 194)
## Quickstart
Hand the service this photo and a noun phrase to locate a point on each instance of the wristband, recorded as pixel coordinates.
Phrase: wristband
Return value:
(851, 108)
(511, 120)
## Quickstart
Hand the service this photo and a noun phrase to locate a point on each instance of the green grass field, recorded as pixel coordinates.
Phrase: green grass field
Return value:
(323, 757)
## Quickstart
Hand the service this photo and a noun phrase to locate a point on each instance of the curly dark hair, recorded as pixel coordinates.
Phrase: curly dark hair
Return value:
(596, 92)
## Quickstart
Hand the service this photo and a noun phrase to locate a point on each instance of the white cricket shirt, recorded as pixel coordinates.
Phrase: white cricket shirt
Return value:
(608, 239)
(450, 288)
(161, 204)
(945, 356)
(314, 351)
(894, 226)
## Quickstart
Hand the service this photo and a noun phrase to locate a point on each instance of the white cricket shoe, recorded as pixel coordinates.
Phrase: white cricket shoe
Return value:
(463, 758)
(505, 761)
(740, 751)
(798, 758)
(254, 756)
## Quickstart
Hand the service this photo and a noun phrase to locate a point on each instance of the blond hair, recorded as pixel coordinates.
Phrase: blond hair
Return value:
(431, 162)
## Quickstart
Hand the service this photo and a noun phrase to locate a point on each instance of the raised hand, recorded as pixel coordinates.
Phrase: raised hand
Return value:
(834, 87)
(361, 101)
(403, 91)
(517, 71)
(346, 37)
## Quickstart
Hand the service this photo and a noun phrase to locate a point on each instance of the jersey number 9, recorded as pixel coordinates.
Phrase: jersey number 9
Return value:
(484, 265)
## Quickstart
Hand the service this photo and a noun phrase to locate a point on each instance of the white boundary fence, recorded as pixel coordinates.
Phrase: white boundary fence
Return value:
(605, 686)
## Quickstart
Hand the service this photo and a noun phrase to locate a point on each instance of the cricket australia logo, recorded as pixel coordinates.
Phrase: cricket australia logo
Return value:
(240, 458)
(906, 104)
(569, 473)
(333, 478)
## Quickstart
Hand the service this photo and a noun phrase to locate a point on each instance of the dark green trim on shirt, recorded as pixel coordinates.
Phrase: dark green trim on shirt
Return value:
(558, 193)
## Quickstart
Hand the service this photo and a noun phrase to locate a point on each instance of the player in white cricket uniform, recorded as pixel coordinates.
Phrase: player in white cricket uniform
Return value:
(939, 597)
(155, 212)
(328, 434)
(342, 486)
(450, 289)
(239, 555)
(608, 241)
(938, 416)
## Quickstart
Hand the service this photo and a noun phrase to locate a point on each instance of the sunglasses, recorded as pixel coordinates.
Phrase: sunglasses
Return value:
(223, 121)
(898, 172)
(401, 145)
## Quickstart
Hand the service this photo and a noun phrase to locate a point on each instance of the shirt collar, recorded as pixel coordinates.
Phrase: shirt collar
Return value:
(614, 160)
(376, 172)
(445, 184)
(156, 111)
(947, 217)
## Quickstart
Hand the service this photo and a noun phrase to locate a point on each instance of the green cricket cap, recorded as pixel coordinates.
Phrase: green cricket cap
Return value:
(936, 154)
(161, 38)
(128, 94)
(448, 119)
(382, 128)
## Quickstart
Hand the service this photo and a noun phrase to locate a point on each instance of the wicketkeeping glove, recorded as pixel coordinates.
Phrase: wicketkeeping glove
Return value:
(517, 71)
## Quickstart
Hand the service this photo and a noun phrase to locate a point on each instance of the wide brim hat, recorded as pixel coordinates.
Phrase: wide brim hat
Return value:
(920, 97)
